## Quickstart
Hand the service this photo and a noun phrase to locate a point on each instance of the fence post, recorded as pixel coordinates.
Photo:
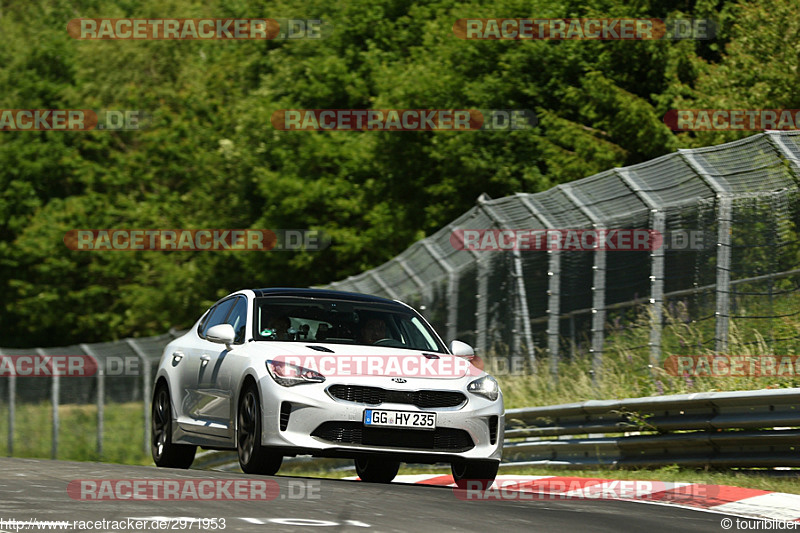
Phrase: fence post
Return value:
(658, 221)
(12, 406)
(724, 215)
(553, 288)
(101, 392)
(776, 137)
(147, 386)
(522, 317)
(598, 287)
(723, 272)
(482, 306)
(452, 306)
(55, 390)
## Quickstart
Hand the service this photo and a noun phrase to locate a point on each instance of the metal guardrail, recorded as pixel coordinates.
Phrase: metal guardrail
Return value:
(746, 429)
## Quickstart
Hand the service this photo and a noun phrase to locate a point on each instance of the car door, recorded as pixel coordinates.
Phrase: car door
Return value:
(186, 362)
(195, 402)
(217, 374)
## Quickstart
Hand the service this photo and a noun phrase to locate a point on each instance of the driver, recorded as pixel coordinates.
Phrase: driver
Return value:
(279, 326)
(373, 330)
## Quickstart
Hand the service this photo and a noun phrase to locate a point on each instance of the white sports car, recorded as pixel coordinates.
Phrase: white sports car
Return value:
(280, 372)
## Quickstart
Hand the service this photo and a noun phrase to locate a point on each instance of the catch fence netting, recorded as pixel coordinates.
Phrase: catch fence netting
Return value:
(728, 269)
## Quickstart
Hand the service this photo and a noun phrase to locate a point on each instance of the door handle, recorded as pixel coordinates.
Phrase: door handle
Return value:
(177, 356)
(204, 359)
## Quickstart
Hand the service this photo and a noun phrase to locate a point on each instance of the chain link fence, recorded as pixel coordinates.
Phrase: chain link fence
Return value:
(534, 307)
(107, 397)
(732, 208)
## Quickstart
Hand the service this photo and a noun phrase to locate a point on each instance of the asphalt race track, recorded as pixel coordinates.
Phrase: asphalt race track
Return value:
(38, 489)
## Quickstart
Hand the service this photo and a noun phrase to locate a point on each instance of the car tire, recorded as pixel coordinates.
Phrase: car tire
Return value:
(253, 457)
(474, 474)
(375, 469)
(165, 453)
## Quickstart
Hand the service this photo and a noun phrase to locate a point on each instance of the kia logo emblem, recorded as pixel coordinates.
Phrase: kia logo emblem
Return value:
(399, 380)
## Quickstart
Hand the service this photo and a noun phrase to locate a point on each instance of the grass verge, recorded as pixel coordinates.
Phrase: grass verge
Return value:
(123, 441)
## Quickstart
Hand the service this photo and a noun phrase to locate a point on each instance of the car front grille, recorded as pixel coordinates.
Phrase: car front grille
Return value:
(440, 439)
(424, 399)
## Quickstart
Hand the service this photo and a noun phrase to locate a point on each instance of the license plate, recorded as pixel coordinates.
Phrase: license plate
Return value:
(399, 419)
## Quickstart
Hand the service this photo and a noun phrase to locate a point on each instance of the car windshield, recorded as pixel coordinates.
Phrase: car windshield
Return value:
(342, 322)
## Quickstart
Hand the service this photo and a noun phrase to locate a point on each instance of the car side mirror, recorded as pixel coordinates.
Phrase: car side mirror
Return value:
(221, 334)
(462, 349)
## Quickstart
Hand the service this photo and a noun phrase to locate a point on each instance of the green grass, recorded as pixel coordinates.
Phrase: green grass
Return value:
(122, 435)
(628, 372)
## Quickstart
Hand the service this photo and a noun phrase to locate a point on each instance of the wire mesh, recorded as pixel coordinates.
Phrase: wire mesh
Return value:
(759, 173)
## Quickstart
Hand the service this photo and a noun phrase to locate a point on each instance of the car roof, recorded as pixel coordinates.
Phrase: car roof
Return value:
(322, 293)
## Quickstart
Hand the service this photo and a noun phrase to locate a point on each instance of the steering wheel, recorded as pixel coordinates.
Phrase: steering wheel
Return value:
(388, 342)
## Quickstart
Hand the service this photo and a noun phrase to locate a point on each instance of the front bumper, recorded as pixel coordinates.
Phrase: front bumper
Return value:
(305, 419)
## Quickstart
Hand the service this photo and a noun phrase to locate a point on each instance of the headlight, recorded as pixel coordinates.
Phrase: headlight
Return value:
(289, 375)
(486, 387)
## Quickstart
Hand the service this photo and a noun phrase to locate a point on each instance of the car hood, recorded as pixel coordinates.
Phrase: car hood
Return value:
(357, 360)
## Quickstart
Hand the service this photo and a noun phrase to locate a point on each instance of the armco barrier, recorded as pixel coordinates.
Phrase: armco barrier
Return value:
(745, 429)
(724, 429)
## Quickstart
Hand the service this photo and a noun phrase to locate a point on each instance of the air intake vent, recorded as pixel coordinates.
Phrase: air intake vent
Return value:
(493, 429)
(286, 410)
(440, 439)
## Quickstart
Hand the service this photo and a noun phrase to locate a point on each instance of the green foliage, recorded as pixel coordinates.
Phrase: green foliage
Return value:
(209, 157)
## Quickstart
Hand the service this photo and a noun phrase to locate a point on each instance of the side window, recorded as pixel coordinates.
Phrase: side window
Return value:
(202, 323)
(217, 315)
(238, 318)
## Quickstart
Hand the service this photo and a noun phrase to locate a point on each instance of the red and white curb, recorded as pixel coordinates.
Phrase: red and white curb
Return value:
(737, 501)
